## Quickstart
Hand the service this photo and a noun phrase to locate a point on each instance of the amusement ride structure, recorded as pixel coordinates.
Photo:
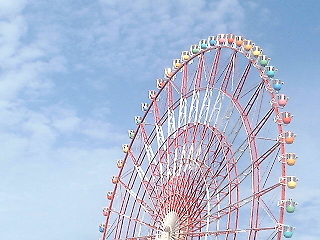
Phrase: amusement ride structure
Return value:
(208, 158)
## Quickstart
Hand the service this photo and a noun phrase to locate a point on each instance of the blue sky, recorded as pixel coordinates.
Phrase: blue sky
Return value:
(74, 72)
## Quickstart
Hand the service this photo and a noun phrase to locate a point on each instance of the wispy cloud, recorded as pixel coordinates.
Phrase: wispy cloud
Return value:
(45, 142)
(140, 31)
(70, 72)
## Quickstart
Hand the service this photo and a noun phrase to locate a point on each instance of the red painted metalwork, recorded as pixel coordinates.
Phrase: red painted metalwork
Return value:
(199, 72)
(229, 71)
(184, 86)
(241, 82)
(215, 174)
(214, 69)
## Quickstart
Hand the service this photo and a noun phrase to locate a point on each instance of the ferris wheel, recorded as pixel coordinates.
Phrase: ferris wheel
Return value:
(208, 158)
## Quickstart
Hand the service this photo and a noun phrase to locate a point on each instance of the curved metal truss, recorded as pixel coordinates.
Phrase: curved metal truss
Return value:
(208, 157)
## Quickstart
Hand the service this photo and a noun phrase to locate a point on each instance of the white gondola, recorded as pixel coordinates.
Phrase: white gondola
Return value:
(144, 106)
(256, 51)
(288, 231)
(291, 158)
(194, 49)
(101, 227)
(168, 73)
(114, 179)
(264, 60)
(270, 71)
(282, 100)
(109, 195)
(185, 56)
(160, 83)
(176, 63)
(203, 44)
(292, 181)
(212, 40)
(119, 163)
(137, 119)
(221, 39)
(131, 133)
(106, 211)
(239, 40)
(125, 148)
(247, 44)
(152, 94)
(230, 38)
(287, 137)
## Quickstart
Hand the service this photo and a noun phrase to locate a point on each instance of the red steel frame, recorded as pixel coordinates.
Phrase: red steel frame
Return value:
(154, 190)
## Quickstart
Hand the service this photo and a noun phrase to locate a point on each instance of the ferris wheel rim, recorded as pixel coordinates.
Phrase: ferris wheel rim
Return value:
(263, 76)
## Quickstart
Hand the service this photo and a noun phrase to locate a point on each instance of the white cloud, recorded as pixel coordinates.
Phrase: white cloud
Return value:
(10, 33)
(142, 28)
(24, 65)
(35, 123)
(67, 124)
(11, 8)
(65, 71)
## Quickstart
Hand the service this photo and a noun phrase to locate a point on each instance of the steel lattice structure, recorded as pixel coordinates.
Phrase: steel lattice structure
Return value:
(208, 158)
